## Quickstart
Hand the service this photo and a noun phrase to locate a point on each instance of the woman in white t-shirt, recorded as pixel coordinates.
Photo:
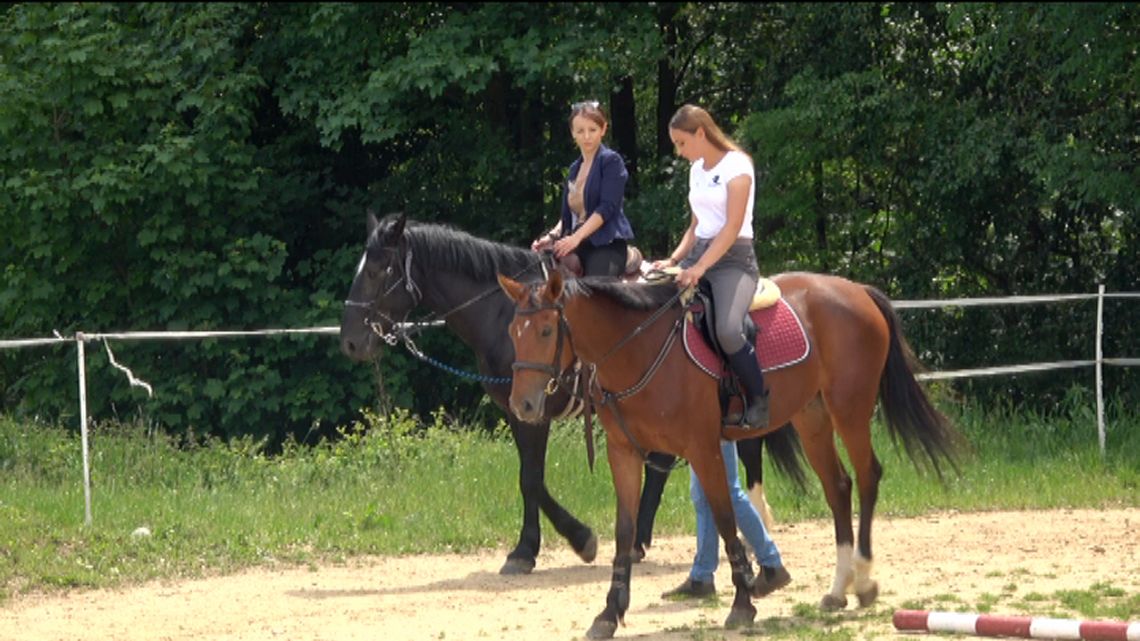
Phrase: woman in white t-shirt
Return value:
(718, 243)
(718, 247)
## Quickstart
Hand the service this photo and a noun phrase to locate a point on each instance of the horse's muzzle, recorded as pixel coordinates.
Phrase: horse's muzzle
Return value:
(359, 348)
(528, 408)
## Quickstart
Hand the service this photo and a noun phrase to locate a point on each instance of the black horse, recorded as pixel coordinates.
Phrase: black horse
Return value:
(409, 265)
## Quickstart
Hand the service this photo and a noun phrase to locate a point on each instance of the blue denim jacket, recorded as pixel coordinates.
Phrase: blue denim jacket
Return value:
(605, 193)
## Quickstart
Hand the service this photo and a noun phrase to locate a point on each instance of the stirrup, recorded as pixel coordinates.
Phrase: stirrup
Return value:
(758, 408)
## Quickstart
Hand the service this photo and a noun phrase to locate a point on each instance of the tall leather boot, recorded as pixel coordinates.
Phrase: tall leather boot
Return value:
(747, 368)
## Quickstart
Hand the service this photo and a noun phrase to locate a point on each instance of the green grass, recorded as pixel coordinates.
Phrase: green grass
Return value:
(393, 486)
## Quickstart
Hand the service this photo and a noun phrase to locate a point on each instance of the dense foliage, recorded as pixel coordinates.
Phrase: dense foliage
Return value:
(207, 166)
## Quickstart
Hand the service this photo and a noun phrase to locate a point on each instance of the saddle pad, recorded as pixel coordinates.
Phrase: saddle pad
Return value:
(781, 341)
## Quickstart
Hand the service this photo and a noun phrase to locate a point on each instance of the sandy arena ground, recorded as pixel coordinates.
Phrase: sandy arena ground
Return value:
(463, 597)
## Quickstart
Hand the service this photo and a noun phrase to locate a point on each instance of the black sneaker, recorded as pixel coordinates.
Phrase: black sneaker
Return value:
(691, 589)
(769, 580)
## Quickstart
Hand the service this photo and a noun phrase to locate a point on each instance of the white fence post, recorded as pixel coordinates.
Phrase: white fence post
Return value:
(79, 344)
(1099, 367)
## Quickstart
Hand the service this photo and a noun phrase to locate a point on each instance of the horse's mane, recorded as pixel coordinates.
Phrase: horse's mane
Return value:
(448, 249)
(638, 296)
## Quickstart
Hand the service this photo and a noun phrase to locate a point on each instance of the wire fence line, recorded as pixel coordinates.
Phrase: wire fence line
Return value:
(82, 338)
(900, 304)
(333, 330)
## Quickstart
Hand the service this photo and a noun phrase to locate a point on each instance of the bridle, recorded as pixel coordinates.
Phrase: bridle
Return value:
(401, 330)
(558, 377)
(397, 326)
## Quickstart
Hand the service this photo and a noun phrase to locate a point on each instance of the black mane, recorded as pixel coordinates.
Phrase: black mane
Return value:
(638, 296)
(439, 248)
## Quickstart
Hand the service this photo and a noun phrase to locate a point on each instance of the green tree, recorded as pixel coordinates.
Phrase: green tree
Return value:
(208, 166)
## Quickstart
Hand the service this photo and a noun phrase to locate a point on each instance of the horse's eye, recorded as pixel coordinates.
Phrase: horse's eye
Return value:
(388, 270)
(547, 331)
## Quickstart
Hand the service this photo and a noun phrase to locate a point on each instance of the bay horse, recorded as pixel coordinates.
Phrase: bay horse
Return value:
(408, 265)
(651, 396)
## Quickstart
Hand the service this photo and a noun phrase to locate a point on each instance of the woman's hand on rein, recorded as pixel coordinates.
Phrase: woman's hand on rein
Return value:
(542, 242)
(689, 276)
(565, 246)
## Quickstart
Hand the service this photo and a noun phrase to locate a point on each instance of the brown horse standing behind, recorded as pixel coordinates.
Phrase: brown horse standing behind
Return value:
(651, 397)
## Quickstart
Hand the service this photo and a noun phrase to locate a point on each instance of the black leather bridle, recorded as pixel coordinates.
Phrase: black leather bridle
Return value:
(558, 377)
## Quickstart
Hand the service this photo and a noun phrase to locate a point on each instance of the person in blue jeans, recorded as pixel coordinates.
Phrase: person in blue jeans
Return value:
(772, 575)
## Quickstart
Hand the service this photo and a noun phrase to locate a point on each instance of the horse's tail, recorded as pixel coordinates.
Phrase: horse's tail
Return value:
(784, 447)
(909, 414)
(787, 453)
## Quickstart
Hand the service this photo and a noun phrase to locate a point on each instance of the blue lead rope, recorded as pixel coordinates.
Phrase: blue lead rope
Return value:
(493, 380)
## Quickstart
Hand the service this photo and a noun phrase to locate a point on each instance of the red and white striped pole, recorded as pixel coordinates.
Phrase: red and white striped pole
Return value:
(986, 625)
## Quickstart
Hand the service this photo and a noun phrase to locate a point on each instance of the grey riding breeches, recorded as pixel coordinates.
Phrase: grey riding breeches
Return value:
(733, 281)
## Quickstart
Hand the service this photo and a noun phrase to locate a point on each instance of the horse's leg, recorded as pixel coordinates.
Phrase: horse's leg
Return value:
(856, 436)
(818, 438)
(580, 536)
(708, 465)
(751, 453)
(625, 466)
(531, 440)
(656, 473)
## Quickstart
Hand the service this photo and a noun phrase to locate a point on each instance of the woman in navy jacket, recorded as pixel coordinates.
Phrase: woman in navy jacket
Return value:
(593, 224)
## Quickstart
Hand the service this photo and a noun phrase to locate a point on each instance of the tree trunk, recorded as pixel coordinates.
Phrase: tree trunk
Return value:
(666, 77)
(624, 120)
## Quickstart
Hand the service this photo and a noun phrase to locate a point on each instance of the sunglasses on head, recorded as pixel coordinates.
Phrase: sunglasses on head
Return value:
(585, 104)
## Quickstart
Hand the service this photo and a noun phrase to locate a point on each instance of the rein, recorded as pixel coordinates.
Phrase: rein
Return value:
(610, 399)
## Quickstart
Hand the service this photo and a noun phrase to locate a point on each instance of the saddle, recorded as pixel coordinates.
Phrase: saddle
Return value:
(781, 343)
(633, 261)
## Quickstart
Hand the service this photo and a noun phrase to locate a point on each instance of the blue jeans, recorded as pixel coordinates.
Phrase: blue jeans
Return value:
(747, 519)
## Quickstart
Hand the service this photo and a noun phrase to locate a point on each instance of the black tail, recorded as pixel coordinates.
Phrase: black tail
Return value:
(908, 412)
(784, 447)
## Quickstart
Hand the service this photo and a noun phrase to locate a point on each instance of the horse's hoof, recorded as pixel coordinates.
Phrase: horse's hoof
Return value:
(602, 629)
(740, 617)
(868, 596)
(589, 551)
(831, 603)
(517, 566)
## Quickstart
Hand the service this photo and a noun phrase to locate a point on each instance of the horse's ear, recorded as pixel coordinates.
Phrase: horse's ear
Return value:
(398, 228)
(553, 289)
(373, 222)
(515, 290)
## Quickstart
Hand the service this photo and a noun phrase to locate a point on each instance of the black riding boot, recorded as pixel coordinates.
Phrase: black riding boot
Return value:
(747, 368)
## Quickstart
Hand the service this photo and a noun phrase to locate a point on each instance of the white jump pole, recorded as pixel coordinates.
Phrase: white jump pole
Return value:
(1099, 367)
(79, 343)
(993, 625)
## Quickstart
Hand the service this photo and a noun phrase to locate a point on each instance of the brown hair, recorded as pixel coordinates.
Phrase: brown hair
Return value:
(690, 118)
(591, 110)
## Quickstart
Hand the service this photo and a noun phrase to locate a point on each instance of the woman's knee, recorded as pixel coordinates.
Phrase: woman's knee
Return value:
(730, 336)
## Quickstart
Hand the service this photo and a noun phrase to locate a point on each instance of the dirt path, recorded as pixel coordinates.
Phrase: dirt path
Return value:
(463, 597)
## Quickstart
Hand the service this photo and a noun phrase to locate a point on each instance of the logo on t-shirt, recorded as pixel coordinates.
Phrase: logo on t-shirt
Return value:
(716, 179)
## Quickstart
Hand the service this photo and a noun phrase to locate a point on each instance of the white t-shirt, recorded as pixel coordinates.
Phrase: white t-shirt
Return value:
(708, 193)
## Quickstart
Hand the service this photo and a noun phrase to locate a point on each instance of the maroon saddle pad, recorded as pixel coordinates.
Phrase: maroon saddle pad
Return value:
(781, 341)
